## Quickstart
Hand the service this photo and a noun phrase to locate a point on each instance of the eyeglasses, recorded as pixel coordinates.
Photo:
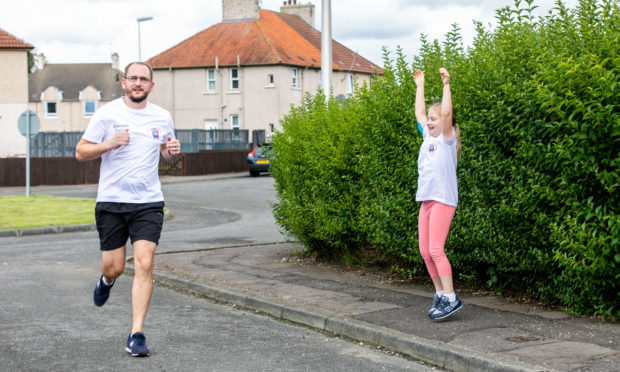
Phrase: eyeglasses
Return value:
(136, 79)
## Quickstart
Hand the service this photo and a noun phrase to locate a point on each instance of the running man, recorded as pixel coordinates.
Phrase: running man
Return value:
(129, 134)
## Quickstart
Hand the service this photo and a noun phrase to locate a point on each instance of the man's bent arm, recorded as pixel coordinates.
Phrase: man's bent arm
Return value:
(86, 150)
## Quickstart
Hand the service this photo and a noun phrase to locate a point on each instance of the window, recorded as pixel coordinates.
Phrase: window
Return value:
(295, 83)
(270, 79)
(350, 78)
(51, 109)
(234, 79)
(272, 129)
(234, 121)
(210, 80)
(89, 108)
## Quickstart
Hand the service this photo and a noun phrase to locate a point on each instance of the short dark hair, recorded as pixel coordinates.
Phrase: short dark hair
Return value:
(143, 64)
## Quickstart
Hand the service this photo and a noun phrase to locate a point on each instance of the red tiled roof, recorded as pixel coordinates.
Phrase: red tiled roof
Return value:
(8, 41)
(275, 38)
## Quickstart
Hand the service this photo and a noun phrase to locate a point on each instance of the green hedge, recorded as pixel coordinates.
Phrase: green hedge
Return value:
(537, 103)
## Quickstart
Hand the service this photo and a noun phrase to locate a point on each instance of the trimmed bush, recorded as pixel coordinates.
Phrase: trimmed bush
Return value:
(537, 104)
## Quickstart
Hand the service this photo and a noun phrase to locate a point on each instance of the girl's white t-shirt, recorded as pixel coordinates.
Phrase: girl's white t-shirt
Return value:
(129, 174)
(437, 169)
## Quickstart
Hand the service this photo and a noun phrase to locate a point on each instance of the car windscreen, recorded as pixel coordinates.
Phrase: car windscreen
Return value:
(261, 151)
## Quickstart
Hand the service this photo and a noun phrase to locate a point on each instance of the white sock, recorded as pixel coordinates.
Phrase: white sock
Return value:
(105, 282)
(439, 293)
(451, 296)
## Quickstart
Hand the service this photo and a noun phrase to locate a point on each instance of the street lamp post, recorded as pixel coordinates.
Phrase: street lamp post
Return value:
(141, 19)
(326, 47)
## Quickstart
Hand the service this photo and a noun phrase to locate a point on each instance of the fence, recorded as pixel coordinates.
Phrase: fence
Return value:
(69, 171)
(62, 144)
(194, 140)
(54, 144)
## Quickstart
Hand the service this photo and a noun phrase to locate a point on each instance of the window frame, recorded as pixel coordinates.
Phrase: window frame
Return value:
(350, 81)
(232, 121)
(49, 114)
(234, 79)
(294, 77)
(86, 113)
(211, 80)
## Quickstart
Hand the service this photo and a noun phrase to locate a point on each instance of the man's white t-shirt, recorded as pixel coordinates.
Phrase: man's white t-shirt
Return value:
(437, 169)
(129, 174)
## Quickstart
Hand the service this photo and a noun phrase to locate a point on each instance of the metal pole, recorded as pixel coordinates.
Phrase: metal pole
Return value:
(139, 45)
(141, 19)
(27, 152)
(326, 47)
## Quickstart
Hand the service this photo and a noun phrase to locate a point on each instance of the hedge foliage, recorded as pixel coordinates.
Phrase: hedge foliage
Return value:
(539, 189)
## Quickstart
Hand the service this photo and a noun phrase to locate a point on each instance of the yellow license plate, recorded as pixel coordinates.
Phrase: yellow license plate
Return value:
(262, 162)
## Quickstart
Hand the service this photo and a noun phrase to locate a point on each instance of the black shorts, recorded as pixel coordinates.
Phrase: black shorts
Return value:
(118, 221)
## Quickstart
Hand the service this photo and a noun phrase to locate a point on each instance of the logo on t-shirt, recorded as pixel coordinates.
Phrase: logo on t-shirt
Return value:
(155, 132)
(120, 127)
(432, 147)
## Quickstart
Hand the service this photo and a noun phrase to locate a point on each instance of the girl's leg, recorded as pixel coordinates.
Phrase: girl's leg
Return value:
(424, 240)
(440, 218)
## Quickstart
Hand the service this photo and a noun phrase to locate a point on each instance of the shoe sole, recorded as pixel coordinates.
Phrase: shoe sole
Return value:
(450, 313)
(99, 305)
(136, 355)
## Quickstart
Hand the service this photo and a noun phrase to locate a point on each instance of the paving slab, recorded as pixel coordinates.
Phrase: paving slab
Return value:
(488, 334)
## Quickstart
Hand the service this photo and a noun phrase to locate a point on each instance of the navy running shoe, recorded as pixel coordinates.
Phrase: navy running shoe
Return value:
(446, 308)
(136, 345)
(436, 301)
(102, 292)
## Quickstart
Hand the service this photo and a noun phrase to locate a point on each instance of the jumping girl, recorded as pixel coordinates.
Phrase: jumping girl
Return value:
(438, 191)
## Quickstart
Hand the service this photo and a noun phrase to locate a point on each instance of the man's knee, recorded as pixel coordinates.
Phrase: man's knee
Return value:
(144, 253)
(113, 262)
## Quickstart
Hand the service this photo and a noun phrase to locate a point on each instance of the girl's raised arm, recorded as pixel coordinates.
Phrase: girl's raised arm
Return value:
(446, 104)
(420, 104)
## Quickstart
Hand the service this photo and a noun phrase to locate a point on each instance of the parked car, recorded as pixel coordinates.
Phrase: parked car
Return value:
(258, 161)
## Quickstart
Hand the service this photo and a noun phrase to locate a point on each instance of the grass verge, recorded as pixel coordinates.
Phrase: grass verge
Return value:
(20, 212)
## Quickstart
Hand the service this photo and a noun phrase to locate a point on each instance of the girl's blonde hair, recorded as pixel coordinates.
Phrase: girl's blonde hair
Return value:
(457, 131)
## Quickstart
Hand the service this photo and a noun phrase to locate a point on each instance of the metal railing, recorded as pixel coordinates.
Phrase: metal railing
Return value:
(62, 144)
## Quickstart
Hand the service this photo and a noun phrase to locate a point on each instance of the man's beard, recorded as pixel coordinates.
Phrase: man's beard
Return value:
(137, 99)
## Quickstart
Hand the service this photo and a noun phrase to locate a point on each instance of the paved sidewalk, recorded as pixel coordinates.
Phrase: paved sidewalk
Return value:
(488, 334)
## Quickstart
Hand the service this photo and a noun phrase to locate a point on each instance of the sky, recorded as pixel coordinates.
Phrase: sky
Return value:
(89, 31)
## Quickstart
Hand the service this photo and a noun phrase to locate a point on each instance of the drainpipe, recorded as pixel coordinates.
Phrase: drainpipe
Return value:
(221, 91)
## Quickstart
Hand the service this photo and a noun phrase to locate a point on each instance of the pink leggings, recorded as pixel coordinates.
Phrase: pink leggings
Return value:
(433, 227)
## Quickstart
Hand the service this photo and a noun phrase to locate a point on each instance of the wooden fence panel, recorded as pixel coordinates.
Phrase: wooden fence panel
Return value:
(69, 171)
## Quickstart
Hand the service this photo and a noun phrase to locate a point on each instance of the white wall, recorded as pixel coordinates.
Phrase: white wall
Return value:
(12, 143)
(13, 100)
(184, 93)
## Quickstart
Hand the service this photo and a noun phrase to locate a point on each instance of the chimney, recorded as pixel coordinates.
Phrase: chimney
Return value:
(115, 61)
(239, 10)
(40, 61)
(304, 11)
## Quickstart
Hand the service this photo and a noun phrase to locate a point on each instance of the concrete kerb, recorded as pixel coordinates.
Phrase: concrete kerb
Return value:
(447, 356)
(47, 230)
(58, 229)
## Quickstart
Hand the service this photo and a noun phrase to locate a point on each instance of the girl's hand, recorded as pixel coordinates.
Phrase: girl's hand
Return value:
(418, 77)
(445, 76)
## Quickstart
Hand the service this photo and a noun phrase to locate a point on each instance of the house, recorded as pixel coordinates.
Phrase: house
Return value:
(13, 92)
(65, 96)
(248, 70)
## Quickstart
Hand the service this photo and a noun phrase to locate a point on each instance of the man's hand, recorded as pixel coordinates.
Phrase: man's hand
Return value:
(173, 147)
(119, 139)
